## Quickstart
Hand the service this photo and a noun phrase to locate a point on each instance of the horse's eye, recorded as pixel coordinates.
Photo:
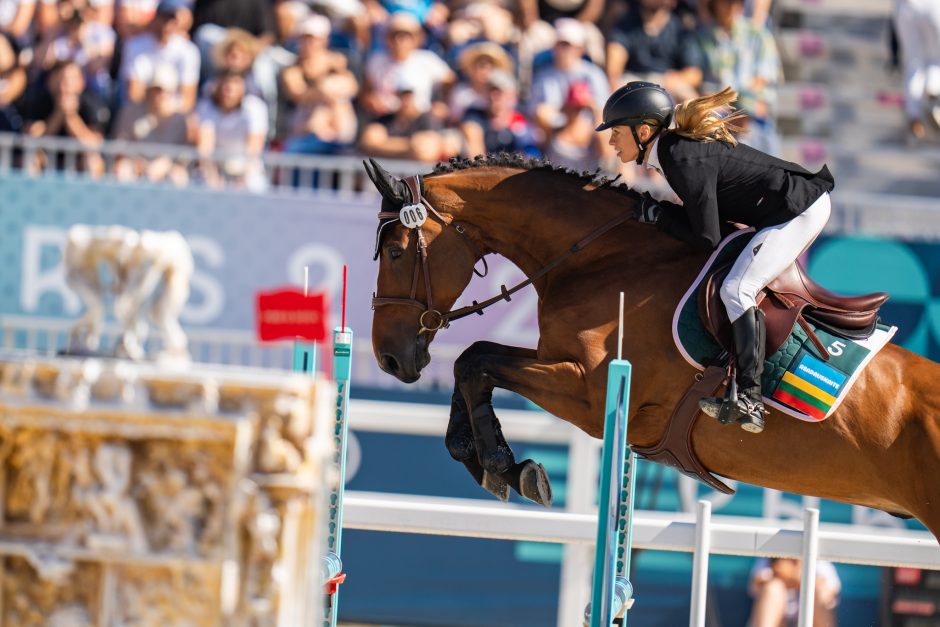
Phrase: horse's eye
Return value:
(395, 253)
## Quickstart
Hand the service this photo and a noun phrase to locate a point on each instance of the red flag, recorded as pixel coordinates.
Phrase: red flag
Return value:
(288, 314)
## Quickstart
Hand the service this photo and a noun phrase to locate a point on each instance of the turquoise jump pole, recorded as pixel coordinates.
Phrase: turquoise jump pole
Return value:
(612, 592)
(342, 369)
(612, 589)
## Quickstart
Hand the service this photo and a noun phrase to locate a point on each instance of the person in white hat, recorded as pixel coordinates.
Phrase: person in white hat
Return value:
(403, 57)
(551, 85)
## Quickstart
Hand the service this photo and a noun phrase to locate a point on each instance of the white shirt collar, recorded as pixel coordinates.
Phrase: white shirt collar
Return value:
(652, 159)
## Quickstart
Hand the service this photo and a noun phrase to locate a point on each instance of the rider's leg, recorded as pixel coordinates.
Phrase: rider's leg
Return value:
(771, 252)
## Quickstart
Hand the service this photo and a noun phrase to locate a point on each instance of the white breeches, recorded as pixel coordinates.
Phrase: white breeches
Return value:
(918, 28)
(770, 253)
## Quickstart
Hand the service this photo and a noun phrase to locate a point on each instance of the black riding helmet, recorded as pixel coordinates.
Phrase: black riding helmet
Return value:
(633, 104)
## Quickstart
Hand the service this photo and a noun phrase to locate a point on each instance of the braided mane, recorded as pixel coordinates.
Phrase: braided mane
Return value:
(516, 160)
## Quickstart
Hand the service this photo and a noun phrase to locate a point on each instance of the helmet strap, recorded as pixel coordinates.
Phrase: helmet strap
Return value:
(641, 157)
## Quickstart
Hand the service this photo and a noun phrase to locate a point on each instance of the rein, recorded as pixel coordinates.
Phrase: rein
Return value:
(440, 320)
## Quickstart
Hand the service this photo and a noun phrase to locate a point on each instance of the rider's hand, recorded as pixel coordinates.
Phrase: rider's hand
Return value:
(647, 210)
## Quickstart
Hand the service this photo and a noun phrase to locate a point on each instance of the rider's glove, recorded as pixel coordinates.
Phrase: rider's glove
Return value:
(647, 210)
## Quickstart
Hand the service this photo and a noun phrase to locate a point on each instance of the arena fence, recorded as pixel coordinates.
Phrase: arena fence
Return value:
(282, 172)
(888, 215)
(48, 336)
(576, 526)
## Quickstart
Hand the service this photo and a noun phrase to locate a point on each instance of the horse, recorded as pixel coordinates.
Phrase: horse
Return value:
(879, 449)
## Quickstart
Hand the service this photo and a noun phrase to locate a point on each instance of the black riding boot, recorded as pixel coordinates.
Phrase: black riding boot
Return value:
(747, 407)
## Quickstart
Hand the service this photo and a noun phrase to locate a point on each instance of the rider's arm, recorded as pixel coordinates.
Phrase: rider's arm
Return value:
(697, 221)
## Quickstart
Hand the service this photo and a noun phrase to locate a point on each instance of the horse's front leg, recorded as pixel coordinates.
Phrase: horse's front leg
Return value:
(528, 478)
(557, 386)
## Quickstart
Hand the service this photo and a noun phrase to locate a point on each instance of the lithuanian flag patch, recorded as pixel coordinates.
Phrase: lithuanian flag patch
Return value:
(812, 387)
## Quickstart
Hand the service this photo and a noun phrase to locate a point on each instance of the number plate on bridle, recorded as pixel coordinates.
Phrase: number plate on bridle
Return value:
(413, 216)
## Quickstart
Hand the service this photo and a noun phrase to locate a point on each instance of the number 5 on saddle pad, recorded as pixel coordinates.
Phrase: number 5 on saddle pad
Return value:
(797, 380)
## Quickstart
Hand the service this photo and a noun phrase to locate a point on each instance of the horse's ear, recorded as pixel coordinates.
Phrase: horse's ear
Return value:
(391, 187)
(370, 172)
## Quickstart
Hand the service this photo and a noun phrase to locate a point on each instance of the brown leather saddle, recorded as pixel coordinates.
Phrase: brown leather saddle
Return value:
(790, 299)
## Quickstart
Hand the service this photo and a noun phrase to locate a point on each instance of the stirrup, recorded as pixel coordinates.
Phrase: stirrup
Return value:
(710, 405)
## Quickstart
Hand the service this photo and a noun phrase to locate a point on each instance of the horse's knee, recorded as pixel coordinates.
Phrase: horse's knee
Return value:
(472, 363)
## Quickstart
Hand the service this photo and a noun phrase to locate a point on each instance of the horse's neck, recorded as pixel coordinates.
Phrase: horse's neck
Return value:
(534, 217)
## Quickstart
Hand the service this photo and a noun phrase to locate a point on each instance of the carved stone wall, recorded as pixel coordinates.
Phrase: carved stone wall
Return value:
(135, 496)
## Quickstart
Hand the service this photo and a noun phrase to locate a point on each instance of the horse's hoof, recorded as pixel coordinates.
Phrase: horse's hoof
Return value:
(498, 461)
(534, 484)
(460, 446)
(496, 485)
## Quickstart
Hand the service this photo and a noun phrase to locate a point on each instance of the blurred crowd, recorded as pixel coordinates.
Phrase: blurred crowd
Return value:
(413, 79)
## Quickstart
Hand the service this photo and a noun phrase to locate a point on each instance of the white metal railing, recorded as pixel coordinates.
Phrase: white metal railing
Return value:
(700, 535)
(659, 531)
(340, 174)
(699, 532)
(49, 336)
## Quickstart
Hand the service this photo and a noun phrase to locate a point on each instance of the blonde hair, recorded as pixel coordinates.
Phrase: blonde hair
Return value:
(710, 118)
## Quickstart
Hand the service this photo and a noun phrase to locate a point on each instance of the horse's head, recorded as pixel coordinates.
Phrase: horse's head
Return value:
(414, 286)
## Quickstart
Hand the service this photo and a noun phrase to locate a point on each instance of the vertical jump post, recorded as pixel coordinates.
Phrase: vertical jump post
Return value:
(612, 592)
(305, 353)
(342, 371)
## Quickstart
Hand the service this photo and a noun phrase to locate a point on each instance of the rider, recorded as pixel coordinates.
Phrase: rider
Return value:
(719, 182)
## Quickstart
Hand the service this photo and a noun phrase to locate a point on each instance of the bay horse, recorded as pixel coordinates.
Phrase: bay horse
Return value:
(880, 449)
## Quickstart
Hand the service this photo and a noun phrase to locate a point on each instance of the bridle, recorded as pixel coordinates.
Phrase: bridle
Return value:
(433, 320)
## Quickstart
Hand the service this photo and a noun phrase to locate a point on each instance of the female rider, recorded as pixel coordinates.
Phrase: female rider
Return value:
(721, 181)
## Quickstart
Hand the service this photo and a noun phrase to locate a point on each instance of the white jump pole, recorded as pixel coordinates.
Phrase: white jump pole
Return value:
(703, 541)
(808, 574)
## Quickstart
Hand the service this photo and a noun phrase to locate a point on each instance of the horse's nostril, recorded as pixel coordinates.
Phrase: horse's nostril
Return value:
(389, 364)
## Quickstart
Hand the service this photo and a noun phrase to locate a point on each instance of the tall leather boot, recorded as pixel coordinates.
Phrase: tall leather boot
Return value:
(747, 406)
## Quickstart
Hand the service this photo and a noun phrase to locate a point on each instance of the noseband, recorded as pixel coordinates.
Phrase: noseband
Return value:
(432, 319)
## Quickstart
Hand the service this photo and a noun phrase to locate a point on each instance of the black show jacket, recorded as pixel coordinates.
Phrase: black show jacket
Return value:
(720, 183)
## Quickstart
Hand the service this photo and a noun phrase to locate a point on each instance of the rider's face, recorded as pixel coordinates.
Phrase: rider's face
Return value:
(623, 143)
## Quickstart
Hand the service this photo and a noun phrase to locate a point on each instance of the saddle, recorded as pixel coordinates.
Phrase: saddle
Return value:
(792, 298)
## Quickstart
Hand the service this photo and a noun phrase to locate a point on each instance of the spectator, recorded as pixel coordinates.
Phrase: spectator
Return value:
(155, 120)
(499, 126)
(12, 85)
(165, 42)
(651, 44)
(551, 85)
(133, 17)
(404, 61)
(918, 27)
(477, 62)
(82, 38)
(575, 144)
(236, 52)
(589, 11)
(320, 88)
(410, 132)
(232, 125)
(254, 16)
(67, 109)
(16, 16)
(429, 13)
(775, 588)
(744, 56)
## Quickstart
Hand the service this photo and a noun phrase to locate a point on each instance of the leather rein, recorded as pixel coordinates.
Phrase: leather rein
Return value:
(433, 320)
